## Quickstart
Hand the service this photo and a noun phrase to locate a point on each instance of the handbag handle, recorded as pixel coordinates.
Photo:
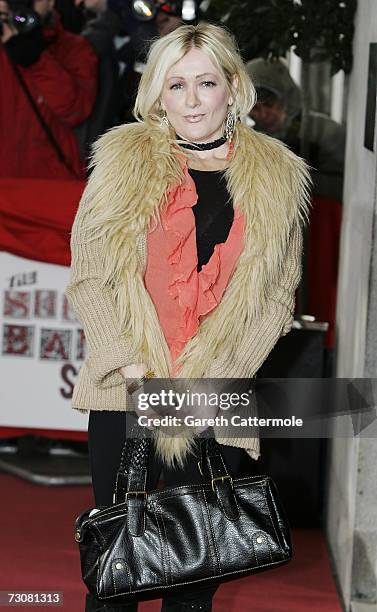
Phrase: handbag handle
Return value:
(131, 456)
(133, 471)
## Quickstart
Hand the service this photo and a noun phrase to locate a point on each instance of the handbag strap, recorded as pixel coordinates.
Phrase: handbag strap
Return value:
(131, 484)
(211, 464)
(131, 480)
(213, 467)
(134, 434)
(136, 494)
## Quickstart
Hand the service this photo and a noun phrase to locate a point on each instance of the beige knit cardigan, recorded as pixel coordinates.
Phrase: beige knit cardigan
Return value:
(134, 166)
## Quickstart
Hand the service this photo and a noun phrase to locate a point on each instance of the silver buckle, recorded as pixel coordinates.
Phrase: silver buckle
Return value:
(222, 478)
(135, 493)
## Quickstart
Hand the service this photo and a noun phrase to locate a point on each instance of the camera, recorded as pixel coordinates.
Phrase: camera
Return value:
(21, 16)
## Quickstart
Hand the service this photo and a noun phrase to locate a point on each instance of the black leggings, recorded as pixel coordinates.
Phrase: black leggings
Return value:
(107, 434)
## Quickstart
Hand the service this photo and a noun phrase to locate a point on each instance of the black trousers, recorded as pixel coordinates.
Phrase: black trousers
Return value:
(106, 437)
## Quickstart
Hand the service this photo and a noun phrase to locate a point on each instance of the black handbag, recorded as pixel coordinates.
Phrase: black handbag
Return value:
(151, 544)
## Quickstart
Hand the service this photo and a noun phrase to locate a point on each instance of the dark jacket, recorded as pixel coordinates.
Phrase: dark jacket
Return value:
(100, 32)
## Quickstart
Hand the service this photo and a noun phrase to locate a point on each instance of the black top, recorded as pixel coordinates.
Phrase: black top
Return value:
(214, 213)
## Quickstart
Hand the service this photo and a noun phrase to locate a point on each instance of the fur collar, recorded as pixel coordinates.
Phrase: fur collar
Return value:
(134, 166)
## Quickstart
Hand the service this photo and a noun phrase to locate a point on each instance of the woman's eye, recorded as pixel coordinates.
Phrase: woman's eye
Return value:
(204, 83)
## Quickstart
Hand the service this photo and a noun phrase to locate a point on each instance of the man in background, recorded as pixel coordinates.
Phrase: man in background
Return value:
(278, 113)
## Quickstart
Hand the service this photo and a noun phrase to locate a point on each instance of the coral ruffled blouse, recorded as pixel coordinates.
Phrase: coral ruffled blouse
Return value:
(181, 295)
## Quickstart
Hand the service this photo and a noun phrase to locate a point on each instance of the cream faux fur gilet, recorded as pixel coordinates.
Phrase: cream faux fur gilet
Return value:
(134, 166)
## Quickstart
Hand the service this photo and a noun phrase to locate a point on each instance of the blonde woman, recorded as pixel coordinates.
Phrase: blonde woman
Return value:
(186, 253)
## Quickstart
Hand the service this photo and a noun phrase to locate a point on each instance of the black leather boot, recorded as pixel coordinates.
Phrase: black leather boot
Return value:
(92, 604)
(202, 606)
(195, 603)
(205, 606)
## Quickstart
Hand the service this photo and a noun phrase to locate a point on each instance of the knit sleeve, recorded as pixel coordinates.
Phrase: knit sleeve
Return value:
(276, 321)
(283, 294)
(95, 308)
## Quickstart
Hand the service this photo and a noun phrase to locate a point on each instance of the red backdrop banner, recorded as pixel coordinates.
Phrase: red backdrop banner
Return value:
(37, 216)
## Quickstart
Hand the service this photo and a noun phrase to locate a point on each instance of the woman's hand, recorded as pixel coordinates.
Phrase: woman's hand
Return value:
(135, 370)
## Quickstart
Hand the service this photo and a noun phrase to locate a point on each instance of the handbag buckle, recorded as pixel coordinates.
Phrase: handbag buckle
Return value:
(135, 493)
(222, 478)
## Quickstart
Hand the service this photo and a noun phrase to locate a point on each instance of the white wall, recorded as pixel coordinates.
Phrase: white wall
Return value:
(353, 297)
(358, 207)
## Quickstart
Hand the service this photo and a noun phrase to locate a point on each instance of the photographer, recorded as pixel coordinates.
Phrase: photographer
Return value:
(51, 78)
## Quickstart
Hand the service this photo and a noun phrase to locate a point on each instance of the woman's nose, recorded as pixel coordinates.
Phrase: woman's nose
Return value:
(192, 98)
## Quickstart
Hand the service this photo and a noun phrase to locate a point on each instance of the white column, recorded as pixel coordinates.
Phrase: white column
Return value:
(352, 470)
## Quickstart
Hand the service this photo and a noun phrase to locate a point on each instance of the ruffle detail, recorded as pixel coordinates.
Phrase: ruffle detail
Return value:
(194, 292)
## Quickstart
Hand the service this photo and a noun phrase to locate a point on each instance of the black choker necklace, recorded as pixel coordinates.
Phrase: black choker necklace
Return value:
(204, 146)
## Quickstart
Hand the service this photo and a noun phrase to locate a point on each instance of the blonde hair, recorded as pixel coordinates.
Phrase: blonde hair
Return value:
(221, 48)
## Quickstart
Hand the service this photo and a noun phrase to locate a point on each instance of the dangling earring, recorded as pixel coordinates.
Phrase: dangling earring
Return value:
(229, 125)
(164, 120)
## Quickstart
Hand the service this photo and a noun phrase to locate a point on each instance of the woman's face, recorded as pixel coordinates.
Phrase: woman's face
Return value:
(195, 97)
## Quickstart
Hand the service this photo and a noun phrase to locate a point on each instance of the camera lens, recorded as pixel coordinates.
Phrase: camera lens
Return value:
(24, 20)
